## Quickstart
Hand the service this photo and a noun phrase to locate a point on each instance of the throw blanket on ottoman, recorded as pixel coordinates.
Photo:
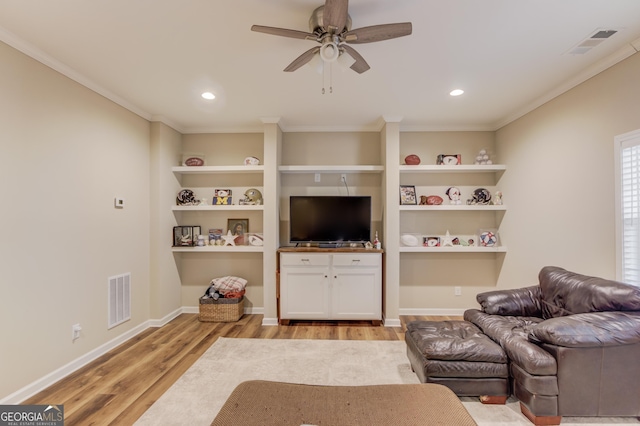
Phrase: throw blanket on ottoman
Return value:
(265, 403)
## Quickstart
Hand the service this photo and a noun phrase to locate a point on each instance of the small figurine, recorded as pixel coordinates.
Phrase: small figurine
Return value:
(447, 241)
(497, 200)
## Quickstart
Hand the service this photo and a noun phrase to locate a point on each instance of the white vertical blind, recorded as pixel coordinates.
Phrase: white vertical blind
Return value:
(630, 211)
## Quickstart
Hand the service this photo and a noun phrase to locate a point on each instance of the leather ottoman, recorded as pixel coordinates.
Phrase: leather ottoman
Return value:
(458, 355)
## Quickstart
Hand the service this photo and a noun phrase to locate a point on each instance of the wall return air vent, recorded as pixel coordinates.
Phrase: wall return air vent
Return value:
(119, 294)
(595, 39)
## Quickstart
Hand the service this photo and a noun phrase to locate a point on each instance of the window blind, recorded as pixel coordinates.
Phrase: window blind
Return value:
(630, 210)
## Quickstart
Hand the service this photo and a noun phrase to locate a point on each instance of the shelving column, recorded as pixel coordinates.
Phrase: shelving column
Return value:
(390, 145)
(271, 219)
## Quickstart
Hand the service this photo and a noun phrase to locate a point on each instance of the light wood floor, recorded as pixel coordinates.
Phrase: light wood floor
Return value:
(122, 384)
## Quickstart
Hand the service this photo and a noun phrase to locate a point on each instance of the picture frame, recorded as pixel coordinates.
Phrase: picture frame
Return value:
(185, 236)
(238, 228)
(222, 197)
(408, 195)
(431, 241)
(449, 160)
(464, 240)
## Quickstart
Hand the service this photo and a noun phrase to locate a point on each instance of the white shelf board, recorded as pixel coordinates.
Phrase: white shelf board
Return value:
(217, 169)
(216, 207)
(463, 168)
(332, 169)
(456, 249)
(219, 249)
(450, 207)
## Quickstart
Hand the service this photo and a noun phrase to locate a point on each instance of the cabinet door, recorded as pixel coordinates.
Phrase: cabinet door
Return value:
(304, 287)
(356, 287)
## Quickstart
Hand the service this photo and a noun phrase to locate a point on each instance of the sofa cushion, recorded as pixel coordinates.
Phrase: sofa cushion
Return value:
(521, 302)
(596, 329)
(512, 335)
(567, 293)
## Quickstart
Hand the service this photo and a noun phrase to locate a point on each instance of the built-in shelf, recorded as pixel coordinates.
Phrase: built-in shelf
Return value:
(332, 169)
(468, 168)
(217, 207)
(219, 249)
(217, 169)
(456, 249)
(450, 207)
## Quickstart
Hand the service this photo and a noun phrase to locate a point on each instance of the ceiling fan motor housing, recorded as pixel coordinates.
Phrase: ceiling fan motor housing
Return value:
(316, 22)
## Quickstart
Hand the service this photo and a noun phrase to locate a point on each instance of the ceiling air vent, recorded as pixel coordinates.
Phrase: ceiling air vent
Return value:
(596, 38)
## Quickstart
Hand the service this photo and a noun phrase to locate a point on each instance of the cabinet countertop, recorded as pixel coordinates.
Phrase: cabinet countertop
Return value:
(328, 250)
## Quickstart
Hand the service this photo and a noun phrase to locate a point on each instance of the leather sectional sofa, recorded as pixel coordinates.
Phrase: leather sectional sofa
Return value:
(573, 344)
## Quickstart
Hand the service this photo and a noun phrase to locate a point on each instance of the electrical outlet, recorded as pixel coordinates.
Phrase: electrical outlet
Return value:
(343, 177)
(75, 331)
(317, 177)
(457, 291)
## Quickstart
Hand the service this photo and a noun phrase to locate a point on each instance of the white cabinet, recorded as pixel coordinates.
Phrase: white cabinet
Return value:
(329, 285)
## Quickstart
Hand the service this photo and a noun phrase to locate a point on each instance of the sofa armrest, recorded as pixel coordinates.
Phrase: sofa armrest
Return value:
(524, 302)
(595, 329)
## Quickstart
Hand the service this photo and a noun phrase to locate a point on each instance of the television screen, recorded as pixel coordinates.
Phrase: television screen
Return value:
(330, 219)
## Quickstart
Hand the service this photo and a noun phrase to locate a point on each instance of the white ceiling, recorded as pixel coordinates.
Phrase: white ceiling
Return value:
(156, 57)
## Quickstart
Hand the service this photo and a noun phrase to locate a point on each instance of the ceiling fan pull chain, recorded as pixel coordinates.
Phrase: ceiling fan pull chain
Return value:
(323, 77)
(331, 77)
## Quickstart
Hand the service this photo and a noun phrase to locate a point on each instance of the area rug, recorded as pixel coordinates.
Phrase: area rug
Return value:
(198, 395)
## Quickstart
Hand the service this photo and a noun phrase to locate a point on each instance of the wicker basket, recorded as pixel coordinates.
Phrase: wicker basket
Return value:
(221, 310)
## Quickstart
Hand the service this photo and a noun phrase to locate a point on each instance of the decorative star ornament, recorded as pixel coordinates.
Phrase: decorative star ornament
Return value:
(229, 240)
(447, 241)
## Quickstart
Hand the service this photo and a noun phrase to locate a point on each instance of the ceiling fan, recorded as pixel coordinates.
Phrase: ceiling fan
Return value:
(330, 26)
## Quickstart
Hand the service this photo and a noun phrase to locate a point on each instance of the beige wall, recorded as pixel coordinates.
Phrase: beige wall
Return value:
(559, 185)
(166, 289)
(66, 153)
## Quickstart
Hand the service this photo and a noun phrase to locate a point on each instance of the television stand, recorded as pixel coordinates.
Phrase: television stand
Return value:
(315, 283)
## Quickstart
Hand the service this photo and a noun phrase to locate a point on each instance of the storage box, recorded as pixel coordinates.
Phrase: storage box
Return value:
(221, 310)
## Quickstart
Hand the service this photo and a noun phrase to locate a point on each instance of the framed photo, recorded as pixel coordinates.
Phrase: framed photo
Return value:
(463, 240)
(449, 160)
(488, 238)
(185, 236)
(430, 241)
(408, 194)
(222, 197)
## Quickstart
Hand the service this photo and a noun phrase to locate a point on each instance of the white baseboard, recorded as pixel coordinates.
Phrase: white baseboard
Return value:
(432, 311)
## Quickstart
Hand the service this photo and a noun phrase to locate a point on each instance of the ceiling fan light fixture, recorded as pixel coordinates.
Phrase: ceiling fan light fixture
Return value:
(329, 52)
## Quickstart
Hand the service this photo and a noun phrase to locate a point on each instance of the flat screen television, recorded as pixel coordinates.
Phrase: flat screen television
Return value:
(331, 220)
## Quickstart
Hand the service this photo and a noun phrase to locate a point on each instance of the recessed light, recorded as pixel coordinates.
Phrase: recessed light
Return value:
(208, 95)
(456, 92)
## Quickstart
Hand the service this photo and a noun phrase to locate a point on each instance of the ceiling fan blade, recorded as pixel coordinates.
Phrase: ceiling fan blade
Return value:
(360, 65)
(302, 59)
(378, 33)
(334, 15)
(283, 32)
